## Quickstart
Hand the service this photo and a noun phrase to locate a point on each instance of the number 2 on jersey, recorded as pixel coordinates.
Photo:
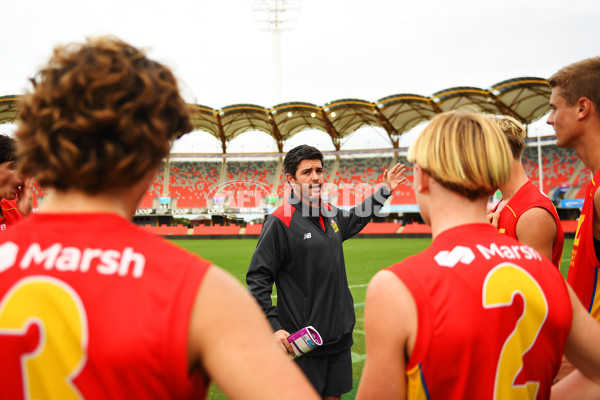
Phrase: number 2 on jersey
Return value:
(44, 320)
(501, 285)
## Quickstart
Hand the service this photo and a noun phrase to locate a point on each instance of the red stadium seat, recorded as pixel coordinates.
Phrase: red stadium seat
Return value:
(569, 226)
(416, 228)
(216, 230)
(253, 229)
(177, 230)
(381, 228)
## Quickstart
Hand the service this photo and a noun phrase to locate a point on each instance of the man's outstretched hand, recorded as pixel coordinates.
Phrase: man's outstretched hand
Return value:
(394, 176)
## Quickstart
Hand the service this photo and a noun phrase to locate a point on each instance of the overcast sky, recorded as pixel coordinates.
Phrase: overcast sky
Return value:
(336, 49)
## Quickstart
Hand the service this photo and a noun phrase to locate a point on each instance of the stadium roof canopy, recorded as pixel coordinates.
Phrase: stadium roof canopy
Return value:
(8, 108)
(525, 99)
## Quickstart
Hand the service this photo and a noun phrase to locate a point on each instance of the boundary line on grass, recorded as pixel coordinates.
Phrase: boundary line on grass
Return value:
(357, 357)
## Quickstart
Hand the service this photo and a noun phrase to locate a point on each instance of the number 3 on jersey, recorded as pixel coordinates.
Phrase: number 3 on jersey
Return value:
(501, 285)
(44, 321)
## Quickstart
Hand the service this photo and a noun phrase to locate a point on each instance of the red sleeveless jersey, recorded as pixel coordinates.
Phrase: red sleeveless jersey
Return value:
(10, 214)
(526, 198)
(93, 307)
(583, 268)
(493, 317)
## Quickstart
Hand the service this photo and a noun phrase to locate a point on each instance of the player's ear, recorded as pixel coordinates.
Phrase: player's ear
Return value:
(584, 107)
(290, 178)
(420, 179)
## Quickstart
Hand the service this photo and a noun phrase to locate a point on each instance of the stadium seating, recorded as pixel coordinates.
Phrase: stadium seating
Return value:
(404, 195)
(152, 193)
(581, 192)
(248, 182)
(38, 194)
(262, 171)
(569, 226)
(381, 228)
(355, 179)
(253, 229)
(147, 200)
(193, 182)
(416, 228)
(216, 230)
(164, 230)
(559, 167)
(244, 183)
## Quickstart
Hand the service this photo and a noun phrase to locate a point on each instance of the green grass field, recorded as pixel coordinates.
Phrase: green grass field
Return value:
(364, 257)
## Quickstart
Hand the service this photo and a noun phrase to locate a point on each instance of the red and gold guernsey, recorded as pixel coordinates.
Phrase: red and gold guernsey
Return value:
(526, 198)
(93, 307)
(583, 268)
(10, 214)
(493, 317)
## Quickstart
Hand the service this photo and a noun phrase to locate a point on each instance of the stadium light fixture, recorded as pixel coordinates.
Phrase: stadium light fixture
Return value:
(276, 16)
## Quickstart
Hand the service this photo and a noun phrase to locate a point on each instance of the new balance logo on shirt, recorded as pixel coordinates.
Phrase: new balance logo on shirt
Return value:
(307, 236)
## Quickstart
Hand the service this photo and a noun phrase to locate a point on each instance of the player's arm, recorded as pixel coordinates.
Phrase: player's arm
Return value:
(583, 351)
(230, 337)
(390, 324)
(537, 228)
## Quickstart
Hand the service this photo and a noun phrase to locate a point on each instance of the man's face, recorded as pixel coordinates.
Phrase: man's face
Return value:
(308, 180)
(10, 181)
(563, 119)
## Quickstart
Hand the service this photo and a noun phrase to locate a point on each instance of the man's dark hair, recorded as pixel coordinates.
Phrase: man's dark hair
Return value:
(7, 149)
(299, 153)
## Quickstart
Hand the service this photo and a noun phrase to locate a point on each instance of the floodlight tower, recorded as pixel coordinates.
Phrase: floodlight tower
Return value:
(276, 16)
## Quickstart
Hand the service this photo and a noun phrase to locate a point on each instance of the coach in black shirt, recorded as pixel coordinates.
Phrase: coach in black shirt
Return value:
(300, 250)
